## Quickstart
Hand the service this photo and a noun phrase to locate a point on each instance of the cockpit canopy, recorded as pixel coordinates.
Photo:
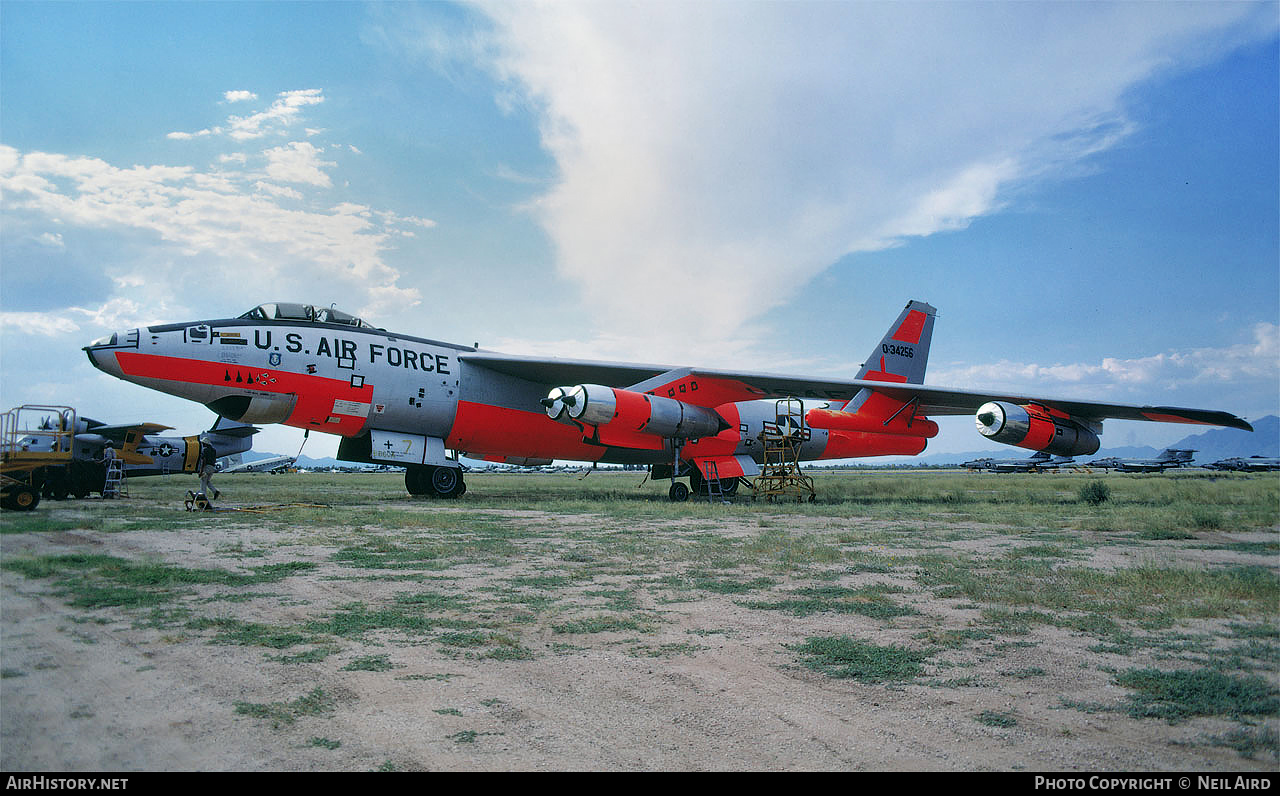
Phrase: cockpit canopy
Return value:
(287, 311)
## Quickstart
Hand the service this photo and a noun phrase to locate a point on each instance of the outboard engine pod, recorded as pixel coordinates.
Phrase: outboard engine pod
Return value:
(1033, 427)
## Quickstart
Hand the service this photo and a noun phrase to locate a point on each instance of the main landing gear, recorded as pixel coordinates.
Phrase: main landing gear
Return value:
(703, 487)
(436, 482)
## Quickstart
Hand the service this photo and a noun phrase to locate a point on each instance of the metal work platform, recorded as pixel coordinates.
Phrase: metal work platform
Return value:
(32, 438)
(780, 477)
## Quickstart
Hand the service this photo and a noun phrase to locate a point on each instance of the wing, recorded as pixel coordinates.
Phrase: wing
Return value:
(118, 433)
(711, 388)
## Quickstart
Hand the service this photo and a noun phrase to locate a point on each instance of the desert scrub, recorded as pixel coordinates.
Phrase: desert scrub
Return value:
(1095, 493)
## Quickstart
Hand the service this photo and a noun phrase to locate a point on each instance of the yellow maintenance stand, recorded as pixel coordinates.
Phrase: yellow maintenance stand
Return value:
(780, 476)
(32, 437)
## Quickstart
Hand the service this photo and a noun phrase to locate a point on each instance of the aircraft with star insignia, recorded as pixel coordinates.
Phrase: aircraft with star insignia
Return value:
(409, 401)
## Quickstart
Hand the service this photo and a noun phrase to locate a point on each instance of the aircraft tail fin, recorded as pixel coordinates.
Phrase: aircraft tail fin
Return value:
(899, 358)
(232, 428)
(903, 353)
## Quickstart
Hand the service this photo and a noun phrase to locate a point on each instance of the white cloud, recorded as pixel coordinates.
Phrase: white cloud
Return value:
(231, 227)
(38, 323)
(715, 156)
(1257, 360)
(298, 162)
(282, 114)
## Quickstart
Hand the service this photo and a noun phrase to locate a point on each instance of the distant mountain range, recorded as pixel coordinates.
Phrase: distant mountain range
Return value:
(1210, 446)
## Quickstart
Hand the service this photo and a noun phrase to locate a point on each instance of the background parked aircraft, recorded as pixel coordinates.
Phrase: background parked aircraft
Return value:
(142, 451)
(273, 464)
(1170, 458)
(1249, 465)
(1036, 462)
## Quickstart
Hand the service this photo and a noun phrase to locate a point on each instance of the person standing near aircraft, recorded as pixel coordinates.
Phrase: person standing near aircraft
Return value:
(206, 465)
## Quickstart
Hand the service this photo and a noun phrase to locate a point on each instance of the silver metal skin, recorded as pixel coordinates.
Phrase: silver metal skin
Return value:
(1003, 422)
(591, 403)
(554, 403)
(671, 418)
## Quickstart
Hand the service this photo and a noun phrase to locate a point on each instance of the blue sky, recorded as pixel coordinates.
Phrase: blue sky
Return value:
(1089, 193)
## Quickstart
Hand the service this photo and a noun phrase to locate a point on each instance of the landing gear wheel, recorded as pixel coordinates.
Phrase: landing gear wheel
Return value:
(415, 480)
(697, 484)
(446, 482)
(678, 492)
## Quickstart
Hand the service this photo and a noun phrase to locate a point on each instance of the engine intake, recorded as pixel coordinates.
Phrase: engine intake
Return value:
(633, 412)
(1034, 428)
(263, 409)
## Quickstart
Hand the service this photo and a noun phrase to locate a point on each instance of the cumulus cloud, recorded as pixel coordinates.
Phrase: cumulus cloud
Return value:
(253, 234)
(298, 161)
(1252, 361)
(37, 323)
(283, 113)
(715, 156)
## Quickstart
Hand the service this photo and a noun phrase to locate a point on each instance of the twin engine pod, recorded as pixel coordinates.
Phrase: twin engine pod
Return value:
(597, 405)
(1034, 428)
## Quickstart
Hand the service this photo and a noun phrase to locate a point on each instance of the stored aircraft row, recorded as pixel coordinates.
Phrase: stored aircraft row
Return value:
(404, 400)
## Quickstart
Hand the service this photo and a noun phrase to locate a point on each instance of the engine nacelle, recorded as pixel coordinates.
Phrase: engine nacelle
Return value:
(263, 409)
(633, 412)
(1034, 428)
(836, 420)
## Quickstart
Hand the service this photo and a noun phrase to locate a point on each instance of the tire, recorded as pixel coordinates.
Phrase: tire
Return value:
(697, 484)
(446, 482)
(22, 498)
(678, 492)
(415, 480)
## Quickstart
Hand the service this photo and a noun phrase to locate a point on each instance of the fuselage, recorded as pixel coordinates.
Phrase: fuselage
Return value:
(354, 380)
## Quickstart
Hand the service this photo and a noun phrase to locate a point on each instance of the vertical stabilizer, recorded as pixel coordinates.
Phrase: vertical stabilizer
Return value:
(903, 353)
(901, 356)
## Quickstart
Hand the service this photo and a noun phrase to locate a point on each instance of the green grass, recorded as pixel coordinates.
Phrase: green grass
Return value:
(598, 624)
(370, 663)
(99, 581)
(1179, 695)
(314, 703)
(868, 601)
(843, 657)
(994, 718)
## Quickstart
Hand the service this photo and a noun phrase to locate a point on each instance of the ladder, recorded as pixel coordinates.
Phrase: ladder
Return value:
(780, 476)
(715, 490)
(115, 486)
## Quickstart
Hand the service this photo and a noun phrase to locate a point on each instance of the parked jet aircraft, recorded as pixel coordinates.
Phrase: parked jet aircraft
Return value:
(1168, 459)
(1253, 464)
(1038, 461)
(404, 400)
(273, 464)
(138, 447)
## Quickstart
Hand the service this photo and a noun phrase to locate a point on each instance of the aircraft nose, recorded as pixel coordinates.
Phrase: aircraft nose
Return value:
(102, 352)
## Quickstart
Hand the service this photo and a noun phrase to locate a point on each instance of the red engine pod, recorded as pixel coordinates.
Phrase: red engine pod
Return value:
(1034, 428)
(637, 412)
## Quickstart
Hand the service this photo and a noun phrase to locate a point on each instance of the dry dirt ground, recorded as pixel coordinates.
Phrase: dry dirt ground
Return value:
(582, 642)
